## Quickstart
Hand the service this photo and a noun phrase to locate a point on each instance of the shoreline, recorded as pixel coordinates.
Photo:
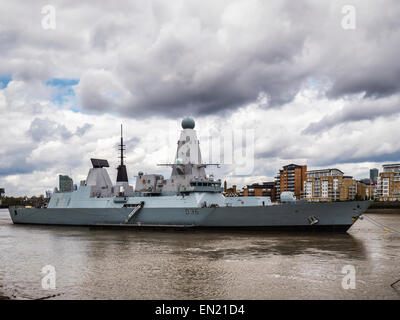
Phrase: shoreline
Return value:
(383, 210)
(4, 297)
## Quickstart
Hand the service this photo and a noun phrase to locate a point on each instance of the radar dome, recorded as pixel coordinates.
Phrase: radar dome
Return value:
(188, 123)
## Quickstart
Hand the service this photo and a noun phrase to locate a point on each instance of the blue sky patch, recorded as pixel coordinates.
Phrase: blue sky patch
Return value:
(4, 80)
(64, 91)
(75, 109)
(62, 82)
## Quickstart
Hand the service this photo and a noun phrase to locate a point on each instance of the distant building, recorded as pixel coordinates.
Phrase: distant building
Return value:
(291, 178)
(373, 175)
(65, 184)
(366, 190)
(388, 184)
(366, 181)
(323, 185)
(327, 185)
(230, 192)
(265, 189)
(48, 193)
(348, 188)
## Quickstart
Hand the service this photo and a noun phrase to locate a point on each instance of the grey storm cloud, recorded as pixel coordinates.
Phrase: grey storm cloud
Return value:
(46, 129)
(348, 158)
(192, 67)
(367, 109)
(285, 67)
(270, 49)
(80, 131)
(15, 163)
(165, 58)
(15, 158)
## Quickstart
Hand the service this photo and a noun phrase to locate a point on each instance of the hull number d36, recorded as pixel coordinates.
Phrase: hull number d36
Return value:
(192, 211)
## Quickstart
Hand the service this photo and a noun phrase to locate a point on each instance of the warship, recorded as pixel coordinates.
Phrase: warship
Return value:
(188, 199)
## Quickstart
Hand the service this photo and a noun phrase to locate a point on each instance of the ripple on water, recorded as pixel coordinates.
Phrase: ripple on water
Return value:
(115, 264)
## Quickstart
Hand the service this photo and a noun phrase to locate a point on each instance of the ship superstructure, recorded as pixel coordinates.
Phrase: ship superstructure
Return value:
(122, 175)
(188, 171)
(189, 198)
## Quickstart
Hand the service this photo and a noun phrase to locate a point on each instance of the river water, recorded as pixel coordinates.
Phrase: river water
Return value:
(143, 264)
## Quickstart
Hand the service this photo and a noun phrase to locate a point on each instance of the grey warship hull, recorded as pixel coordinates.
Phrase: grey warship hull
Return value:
(188, 199)
(335, 216)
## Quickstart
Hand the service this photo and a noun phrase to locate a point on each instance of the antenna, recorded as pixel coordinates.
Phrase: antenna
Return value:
(122, 148)
(122, 175)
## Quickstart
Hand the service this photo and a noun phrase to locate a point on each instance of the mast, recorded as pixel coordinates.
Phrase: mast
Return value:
(122, 148)
(122, 175)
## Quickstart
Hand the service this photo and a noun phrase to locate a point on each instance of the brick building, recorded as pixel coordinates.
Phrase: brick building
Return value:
(265, 189)
(388, 186)
(291, 178)
(366, 190)
(327, 185)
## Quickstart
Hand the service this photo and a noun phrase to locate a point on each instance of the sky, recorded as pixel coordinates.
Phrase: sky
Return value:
(310, 82)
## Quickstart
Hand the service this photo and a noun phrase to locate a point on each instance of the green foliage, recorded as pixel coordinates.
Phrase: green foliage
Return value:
(34, 201)
(358, 197)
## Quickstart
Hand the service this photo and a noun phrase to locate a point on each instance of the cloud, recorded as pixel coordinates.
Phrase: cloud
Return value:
(80, 131)
(150, 58)
(357, 110)
(45, 129)
(313, 92)
(201, 69)
(14, 162)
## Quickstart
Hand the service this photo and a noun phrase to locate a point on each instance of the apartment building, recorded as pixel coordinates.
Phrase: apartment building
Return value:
(328, 185)
(265, 189)
(347, 188)
(366, 190)
(323, 185)
(388, 186)
(291, 178)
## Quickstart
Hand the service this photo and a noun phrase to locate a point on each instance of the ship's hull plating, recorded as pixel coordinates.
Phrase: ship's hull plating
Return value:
(308, 216)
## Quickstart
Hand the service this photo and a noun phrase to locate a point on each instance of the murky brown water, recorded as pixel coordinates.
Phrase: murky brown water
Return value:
(123, 264)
